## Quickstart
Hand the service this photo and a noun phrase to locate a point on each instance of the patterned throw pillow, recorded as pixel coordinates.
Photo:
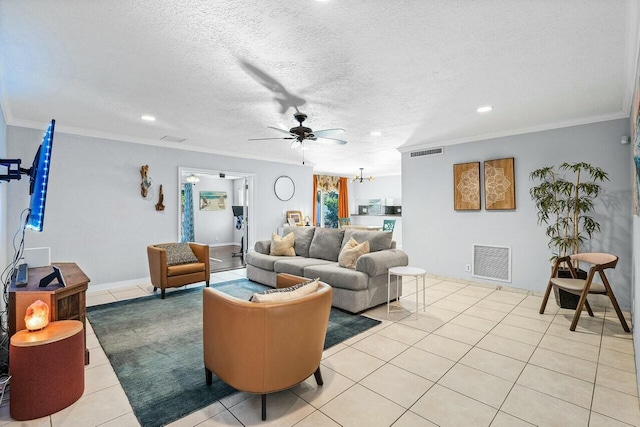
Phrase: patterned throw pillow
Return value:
(283, 246)
(285, 294)
(178, 253)
(350, 253)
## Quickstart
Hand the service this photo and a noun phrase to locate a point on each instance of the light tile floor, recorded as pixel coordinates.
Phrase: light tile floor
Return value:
(475, 356)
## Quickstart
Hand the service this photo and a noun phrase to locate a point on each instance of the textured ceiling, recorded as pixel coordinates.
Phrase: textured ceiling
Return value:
(219, 72)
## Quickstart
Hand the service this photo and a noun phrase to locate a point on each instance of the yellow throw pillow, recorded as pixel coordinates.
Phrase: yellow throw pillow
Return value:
(350, 253)
(282, 246)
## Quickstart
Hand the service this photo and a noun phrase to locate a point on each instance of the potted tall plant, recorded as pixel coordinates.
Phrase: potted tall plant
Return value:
(564, 204)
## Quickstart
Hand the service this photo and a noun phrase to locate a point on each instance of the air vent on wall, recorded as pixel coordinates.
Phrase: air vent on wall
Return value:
(429, 152)
(173, 138)
(492, 262)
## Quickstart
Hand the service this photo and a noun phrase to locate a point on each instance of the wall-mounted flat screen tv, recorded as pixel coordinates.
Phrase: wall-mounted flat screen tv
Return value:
(39, 180)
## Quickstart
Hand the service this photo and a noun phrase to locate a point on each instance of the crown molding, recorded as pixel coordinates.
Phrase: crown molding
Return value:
(541, 128)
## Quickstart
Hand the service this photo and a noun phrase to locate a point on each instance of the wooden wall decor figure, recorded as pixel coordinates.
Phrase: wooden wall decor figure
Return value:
(499, 184)
(159, 205)
(466, 186)
(147, 182)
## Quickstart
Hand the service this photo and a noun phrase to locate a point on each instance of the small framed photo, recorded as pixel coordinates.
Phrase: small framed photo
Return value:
(294, 217)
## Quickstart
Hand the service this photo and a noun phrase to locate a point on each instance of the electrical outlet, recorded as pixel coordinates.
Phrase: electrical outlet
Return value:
(467, 267)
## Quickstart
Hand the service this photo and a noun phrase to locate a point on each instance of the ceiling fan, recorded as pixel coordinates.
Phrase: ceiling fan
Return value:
(299, 134)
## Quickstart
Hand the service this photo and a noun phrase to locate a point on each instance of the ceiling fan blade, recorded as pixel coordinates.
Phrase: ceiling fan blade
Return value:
(264, 139)
(296, 144)
(328, 132)
(280, 130)
(326, 140)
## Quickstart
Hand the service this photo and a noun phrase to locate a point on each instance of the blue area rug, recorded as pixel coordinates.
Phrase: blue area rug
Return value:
(155, 348)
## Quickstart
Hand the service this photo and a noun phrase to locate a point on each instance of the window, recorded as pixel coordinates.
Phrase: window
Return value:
(327, 214)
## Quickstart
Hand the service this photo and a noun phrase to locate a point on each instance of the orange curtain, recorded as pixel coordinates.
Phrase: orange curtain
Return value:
(315, 199)
(343, 199)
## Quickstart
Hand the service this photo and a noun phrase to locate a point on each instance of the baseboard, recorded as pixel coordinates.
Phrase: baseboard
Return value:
(224, 244)
(115, 285)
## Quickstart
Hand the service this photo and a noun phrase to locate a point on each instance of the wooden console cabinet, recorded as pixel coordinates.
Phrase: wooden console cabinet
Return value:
(65, 303)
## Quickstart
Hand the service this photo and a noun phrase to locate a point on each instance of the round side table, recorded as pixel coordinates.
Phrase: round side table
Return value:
(406, 272)
(47, 369)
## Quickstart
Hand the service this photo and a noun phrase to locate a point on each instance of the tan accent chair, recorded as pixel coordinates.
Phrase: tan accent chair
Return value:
(265, 347)
(172, 276)
(583, 287)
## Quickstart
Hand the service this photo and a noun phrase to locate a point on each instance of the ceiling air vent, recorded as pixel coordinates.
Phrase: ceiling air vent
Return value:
(492, 262)
(429, 152)
(173, 138)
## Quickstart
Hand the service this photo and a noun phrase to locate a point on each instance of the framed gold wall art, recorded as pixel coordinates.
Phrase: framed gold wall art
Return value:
(466, 186)
(499, 184)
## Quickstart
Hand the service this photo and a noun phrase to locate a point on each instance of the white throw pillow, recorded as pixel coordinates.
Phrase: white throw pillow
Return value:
(350, 253)
(283, 246)
(285, 294)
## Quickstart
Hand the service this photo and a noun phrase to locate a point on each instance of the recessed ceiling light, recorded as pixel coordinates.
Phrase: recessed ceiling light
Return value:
(484, 109)
(148, 118)
(376, 133)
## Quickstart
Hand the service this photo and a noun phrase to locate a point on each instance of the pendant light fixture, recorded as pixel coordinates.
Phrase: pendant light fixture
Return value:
(361, 178)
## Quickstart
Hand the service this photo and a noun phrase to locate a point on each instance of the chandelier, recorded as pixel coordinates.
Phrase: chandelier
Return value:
(361, 178)
(193, 178)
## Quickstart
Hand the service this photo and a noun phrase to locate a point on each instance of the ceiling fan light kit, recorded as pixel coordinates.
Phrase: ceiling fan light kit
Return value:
(299, 134)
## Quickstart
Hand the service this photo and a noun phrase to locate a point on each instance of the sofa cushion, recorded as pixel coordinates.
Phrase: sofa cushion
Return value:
(296, 265)
(282, 246)
(377, 263)
(303, 237)
(180, 269)
(326, 243)
(262, 246)
(265, 262)
(351, 251)
(378, 240)
(178, 253)
(338, 277)
(285, 294)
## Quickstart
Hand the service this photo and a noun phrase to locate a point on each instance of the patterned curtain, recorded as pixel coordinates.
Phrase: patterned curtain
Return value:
(328, 183)
(188, 232)
(343, 199)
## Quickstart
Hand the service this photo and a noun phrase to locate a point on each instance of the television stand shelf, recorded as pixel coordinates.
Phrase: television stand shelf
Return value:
(65, 303)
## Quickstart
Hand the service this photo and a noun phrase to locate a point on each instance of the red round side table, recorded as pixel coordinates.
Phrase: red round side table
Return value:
(47, 369)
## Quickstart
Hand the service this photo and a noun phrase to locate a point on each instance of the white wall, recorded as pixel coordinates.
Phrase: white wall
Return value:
(95, 215)
(383, 187)
(440, 239)
(380, 188)
(213, 227)
(4, 256)
(635, 311)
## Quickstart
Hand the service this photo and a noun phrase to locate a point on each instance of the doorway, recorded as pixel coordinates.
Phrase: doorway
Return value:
(218, 214)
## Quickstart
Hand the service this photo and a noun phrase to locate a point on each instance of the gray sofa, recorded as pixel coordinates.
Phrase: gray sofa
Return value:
(317, 251)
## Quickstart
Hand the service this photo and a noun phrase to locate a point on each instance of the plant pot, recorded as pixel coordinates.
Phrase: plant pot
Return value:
(566, 299)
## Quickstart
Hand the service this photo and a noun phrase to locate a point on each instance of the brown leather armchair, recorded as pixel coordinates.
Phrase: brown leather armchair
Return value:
(265, 347)
(171, 276)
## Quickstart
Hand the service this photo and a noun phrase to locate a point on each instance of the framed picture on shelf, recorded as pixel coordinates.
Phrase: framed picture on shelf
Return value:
(294, 218)
(499, 185)
(466, 186)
